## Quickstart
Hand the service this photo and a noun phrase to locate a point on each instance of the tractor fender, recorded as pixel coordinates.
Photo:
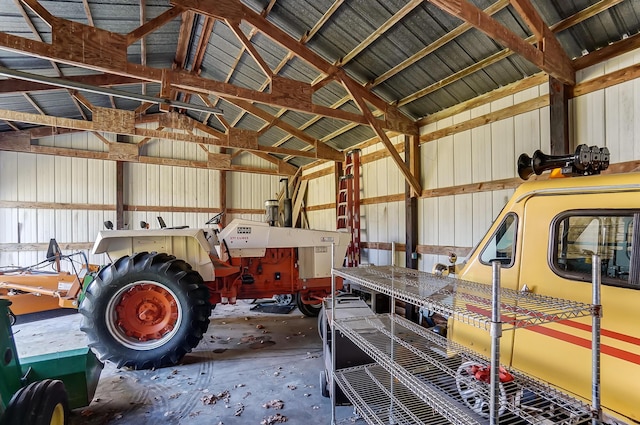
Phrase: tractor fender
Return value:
(191, 245)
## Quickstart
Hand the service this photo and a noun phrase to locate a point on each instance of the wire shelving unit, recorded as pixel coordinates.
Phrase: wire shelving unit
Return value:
(420, 377)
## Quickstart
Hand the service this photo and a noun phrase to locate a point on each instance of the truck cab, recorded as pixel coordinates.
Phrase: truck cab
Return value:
(545, 238)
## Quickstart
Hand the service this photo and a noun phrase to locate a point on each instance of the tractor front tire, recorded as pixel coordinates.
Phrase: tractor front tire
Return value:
(39, 403)
(145, 311)
(309, 310)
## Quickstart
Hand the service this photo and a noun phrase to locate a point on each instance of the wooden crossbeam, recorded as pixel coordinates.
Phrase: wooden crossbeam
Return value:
(552, 60)
(410, 178)
(39, 10)
(87, 11)
(154, 24)
(427, 50)
(12, 85)
(235, 10)
(323, 20)
(298, 95)
(397, 17)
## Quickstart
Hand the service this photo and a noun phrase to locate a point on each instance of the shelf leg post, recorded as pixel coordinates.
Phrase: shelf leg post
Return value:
(595, 341)
(332, 382)
(496, 334)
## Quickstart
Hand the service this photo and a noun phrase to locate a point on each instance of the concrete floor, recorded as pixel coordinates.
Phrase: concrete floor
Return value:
(247, 359)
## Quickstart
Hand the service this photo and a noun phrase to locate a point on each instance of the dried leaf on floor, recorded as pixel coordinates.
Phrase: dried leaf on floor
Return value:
(213, 398)
(274, 419)
(239, 409)
(274, 404)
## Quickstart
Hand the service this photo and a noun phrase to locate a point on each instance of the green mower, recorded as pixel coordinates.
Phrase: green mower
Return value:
(40, 390)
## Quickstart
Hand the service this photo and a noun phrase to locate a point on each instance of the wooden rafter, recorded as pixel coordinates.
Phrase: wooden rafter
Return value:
(234, 10)
(152, 25)
(12, 125)
(39, 10)
(323, 20)
(87, 11)
(126, 152)
(406, 172)
(33, 103)
(83, 100)
(143, 40)
(298, 94)
(427, 50)
(12, 85)
(54, 65)
(250, 48)
(397, 17)
(103, 121)
(551, 59)
(585, 14)
(260, 113)
(184, 38)
(502, 54)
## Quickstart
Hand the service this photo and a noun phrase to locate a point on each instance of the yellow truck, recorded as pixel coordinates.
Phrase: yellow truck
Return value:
(538, 325)
(545, 238)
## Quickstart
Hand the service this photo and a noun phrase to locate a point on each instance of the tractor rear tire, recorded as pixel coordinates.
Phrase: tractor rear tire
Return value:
(39, 403)
(145, 311)
(309, 310)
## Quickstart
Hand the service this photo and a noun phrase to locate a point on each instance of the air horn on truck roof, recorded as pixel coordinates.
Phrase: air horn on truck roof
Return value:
(586, 160)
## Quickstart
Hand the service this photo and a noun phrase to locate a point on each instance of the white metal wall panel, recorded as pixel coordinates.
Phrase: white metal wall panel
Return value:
(482, 154)
(382, 222)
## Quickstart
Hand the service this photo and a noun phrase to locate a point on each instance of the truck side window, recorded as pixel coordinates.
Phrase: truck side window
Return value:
(501, 245)
(579, 235)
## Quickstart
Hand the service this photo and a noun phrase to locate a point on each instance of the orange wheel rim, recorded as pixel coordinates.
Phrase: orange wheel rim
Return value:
(143, 315)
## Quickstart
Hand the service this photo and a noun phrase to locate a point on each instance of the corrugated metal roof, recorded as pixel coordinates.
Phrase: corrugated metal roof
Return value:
(227, 60)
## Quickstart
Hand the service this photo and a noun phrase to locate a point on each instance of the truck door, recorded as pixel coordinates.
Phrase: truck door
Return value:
(560, 235)
(501, 244)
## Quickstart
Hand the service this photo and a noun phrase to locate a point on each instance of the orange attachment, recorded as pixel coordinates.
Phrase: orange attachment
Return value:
(147, 312)
(483, 373)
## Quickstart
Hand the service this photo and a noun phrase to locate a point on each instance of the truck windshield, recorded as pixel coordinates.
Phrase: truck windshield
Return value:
(579, 235)
(500, 247)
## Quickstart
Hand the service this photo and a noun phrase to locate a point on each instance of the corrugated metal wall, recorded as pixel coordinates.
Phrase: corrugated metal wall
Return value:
(70, 198)
(73, 196)
(482, 154)
(606, 117)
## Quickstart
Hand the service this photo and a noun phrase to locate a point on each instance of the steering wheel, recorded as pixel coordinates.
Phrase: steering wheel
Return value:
(216, 218)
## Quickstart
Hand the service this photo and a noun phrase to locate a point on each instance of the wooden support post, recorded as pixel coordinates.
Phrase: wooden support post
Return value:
(120, 195)
(223, 193)
(412, 160)
(559, 117)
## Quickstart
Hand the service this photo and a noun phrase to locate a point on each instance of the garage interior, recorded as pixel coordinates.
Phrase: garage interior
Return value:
(410, 114)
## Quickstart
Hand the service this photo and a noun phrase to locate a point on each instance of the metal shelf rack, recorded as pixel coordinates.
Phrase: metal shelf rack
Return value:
(464, 301)
(417, 370)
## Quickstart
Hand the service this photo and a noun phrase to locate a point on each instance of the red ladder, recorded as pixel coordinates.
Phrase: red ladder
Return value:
(348, 207)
